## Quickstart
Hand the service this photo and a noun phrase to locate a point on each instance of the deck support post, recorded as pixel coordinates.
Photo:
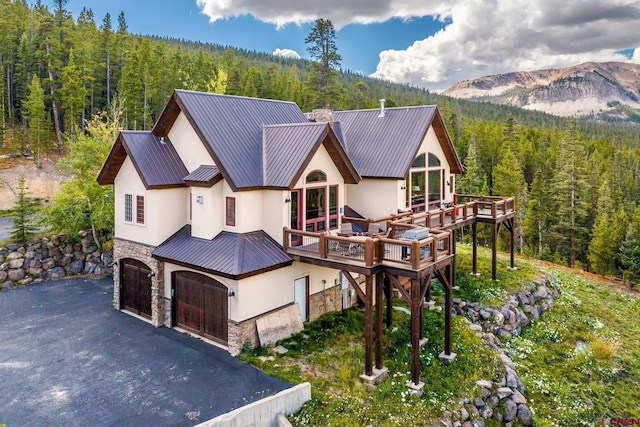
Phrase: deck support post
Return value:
(474, 235)
(423, 291)
(494, 251)
(415, 332)
(368, 327)
(379, 302)
(511, 226)
(448, 306)
(387, 297)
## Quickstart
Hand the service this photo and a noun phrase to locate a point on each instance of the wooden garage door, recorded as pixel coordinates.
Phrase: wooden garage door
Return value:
(135, 287)
(200, 305)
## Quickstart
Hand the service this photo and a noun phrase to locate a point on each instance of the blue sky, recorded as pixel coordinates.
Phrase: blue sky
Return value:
(421, 42)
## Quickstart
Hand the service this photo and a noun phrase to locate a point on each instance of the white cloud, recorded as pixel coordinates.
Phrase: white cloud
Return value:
(340, 12)
(286, 53)
(482, 37)
(496, 36)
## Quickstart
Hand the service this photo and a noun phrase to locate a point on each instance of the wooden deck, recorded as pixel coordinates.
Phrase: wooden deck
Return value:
(366, 253)
(388, 261)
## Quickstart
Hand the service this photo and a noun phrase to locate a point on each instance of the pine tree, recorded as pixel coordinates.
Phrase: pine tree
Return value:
(570, 233)
(539, 214)
(509, 181)
(325, 63)
(21, 215)
(473, 181)
(72, 94)
(36, 116)
(630, 256)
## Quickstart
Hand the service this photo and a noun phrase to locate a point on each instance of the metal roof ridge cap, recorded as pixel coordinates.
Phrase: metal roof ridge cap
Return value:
(224, 95)
(294, 124)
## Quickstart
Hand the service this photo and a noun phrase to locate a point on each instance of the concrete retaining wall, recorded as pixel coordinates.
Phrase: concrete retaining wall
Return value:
(264, 412)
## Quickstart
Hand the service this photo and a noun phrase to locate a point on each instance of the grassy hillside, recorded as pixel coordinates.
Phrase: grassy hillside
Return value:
(579, 362)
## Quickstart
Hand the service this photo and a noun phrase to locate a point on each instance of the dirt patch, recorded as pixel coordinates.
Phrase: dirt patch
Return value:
(42, 182)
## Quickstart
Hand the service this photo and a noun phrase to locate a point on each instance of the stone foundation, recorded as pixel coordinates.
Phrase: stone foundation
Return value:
(323, 302)
(140, 252)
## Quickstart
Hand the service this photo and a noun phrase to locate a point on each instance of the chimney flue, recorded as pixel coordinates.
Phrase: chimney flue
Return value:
(381, 108)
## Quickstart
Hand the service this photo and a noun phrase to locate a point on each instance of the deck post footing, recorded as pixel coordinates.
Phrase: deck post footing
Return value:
(377, 376)
(447, 358)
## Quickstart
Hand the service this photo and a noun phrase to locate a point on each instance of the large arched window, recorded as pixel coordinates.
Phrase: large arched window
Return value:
(424, 189)
(320, 209)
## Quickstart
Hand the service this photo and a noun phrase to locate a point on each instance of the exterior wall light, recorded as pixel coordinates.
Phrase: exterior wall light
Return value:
(200, 199)
(231, 294)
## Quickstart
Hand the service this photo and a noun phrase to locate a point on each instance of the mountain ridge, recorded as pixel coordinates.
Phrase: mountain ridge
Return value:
(609, 91)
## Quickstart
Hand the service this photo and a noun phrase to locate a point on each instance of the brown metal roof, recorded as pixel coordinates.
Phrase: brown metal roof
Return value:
(155, 159)
(385, 147)
(231, 129)
(288, 149)
(204, 176)
(230, 255)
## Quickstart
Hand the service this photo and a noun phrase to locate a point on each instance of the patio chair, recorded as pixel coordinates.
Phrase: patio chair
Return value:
(373, 230)
(346, 230)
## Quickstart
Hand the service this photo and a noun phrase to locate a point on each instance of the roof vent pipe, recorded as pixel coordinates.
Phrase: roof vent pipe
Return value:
(162, 140)
(381, 108)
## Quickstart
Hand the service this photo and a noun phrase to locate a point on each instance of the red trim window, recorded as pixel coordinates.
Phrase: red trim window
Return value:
(139, 209)
(231, 211)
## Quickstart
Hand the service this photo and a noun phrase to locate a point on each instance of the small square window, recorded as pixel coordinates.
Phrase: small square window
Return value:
(231, 211)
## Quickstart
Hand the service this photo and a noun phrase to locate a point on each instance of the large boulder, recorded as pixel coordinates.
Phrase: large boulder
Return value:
(75, 267)
(56, 273)
(16, 275)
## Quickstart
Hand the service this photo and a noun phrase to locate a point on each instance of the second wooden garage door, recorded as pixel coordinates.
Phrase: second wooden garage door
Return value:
(201, 305)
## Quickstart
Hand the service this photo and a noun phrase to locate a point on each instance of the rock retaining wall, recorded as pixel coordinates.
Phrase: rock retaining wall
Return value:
(504, 400)
(52, 258)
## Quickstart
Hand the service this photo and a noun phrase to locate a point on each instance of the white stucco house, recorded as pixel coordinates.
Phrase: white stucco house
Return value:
(207, 204)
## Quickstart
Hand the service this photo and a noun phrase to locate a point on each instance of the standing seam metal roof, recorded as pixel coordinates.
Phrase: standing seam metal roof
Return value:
(154, 158)
(383, 147)
(231, 255)
(282, 159)
(203, 176)
(233, 128)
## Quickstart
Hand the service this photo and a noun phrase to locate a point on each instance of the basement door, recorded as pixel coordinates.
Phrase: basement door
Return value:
(200, 305)
(135, 287)
(301, 296)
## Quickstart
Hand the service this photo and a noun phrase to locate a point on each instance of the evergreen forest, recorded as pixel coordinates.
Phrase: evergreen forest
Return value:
(576, 183)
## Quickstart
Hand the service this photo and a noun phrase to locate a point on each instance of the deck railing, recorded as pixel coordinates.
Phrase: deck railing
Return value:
(387, 246)
(369, 251)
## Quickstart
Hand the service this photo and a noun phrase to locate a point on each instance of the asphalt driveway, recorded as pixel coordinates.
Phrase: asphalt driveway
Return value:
(68, 358)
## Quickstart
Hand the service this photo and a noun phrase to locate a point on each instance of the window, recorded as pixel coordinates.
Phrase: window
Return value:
(316, 176)
(231, 211)
(333, 206)
(139, 209)
(425, 183)
(128, 208)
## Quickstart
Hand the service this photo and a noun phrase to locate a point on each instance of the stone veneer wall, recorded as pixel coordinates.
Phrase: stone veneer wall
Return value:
(322, 302)
(127, 249)
(245, 333)
(52, 258)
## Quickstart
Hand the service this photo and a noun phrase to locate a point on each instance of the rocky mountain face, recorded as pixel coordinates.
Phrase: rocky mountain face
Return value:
(609, 91)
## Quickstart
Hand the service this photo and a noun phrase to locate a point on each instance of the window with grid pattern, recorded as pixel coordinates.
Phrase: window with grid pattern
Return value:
(231, 211)
(140, 209)
(128, 208)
